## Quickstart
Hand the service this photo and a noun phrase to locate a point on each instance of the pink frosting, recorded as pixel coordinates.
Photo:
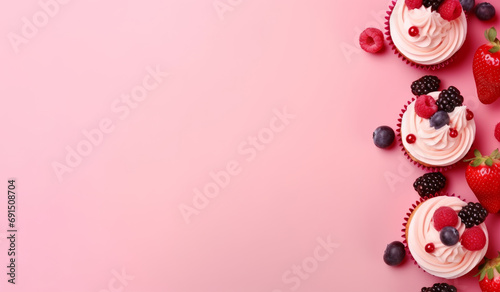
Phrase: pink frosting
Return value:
(446, 261)
(433, 146)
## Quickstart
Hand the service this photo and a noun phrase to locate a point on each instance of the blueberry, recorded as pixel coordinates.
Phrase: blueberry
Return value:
(394, 253)
(449, 235)
(383, 136)
(439, 119)
(467, 5)
(485, 11)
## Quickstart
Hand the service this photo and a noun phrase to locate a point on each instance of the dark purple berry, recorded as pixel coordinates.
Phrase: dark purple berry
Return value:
(449, 235)
(439, 119)
(383, 136)
(440, 287)
(394, 253)
(485, 11)
(424, 85)
(467, 5)
(472, 214)
(432, 3)
(449, 99)
(429, 183)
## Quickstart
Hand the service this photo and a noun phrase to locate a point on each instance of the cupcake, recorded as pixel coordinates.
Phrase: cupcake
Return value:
(445, 236)
(426, 33)
(435, 129)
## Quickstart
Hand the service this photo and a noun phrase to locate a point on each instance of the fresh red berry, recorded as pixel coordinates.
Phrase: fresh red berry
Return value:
(470, 115)
(450, 9)
(474, 238)
(489, 278)
(486, 69)
(453, 133)
(425, 106)
(429, 247)
(445, 216)
(412, 4)
(411, 138)
(413, 31)
(371, 40)
(483, 177)
(497, 132)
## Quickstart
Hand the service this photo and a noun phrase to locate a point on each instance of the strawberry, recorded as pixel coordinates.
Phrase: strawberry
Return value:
(486, 68)
(489, 275)
(483, 177)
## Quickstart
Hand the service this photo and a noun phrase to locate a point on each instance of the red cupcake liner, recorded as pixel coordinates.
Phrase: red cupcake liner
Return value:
(400, 139)
(412, 208)
(403, 57)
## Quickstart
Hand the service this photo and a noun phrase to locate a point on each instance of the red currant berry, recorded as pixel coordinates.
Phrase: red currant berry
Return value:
(411, 138)
(470, 115)
(413, 31)
(453, 133)
(429, 247)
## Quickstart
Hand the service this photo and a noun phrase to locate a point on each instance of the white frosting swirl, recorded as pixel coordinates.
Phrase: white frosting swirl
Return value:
(445, 261)
(438, 38)
(435, 147)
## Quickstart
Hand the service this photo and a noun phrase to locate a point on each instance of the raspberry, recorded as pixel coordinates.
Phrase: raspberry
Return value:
(412, 4)
(449, 99)
(424, 85)
(425, 106)
(429, 183)
(434, 4)
(497, 132)
(473, 238)
(371, 40)
(444, 216)
(450, 9)
(473, 214)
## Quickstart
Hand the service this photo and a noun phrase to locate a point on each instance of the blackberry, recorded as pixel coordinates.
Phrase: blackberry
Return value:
(434, 4)
(449, 99)
(424, 85)
(429, 183)
(440, 287)
(472, 214)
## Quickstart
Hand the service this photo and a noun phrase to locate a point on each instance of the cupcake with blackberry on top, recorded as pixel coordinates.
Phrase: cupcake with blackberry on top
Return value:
(436, 130)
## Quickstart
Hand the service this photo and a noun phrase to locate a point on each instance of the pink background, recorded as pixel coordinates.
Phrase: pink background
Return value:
(314, 177)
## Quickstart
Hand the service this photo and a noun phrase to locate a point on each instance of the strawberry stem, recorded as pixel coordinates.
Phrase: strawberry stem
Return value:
(491, 36)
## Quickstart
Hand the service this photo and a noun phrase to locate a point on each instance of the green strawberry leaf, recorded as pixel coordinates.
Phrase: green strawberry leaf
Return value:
(491, 34)
(494, 49)
(494, 153)
(497, 268)
(483, 273)
(477, 162)
(490, 273)
(477, 153)
(489, 161)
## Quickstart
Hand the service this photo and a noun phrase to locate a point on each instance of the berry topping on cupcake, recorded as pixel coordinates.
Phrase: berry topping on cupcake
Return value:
(473, 214)
(424, 85)
(434, 4)
(425, 106)
(453, 133)
(470, 115)
(449, 236)
(412, 4)
(439, 119)
(449, 99)
(444, 216)
(430, 247)
(450, 9)
(440, 287)
(429, 184)
(473, 238)
(411, 138)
